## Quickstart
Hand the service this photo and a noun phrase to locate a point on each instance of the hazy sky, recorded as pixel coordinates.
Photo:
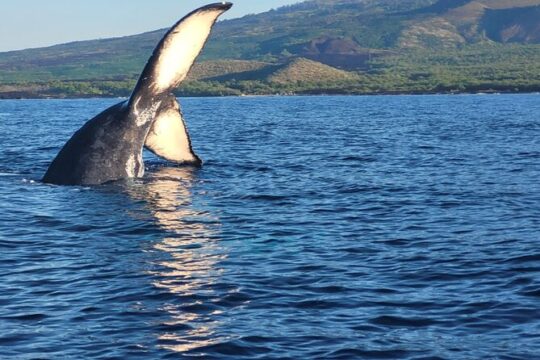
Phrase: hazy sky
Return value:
(36, 23)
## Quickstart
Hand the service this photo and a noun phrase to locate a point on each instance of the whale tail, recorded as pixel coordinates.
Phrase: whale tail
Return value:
(175, 54)
(166, 69)
(169, 138)
(109, 146)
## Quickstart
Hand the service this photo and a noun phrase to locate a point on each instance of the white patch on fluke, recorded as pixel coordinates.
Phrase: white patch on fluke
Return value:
(182, 46)
(169, 138)
(130, 166)
(140, 174)
(146, 115)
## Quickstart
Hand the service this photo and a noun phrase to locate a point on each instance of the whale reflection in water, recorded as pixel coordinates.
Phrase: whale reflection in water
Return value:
(186, 263)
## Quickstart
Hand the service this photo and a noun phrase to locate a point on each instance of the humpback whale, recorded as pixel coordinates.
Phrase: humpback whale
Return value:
(109, 147)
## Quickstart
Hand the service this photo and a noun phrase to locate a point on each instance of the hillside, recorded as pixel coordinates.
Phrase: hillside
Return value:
(347, 46)
(300, 69)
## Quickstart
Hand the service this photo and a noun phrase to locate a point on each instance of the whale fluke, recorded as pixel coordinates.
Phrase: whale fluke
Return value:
(169, 138)
(175, 54)
(109, 146)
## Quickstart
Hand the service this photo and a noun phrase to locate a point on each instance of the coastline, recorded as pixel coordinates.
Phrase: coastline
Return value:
(20, 96)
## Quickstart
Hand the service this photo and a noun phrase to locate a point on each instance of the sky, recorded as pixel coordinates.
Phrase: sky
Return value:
(37, 23)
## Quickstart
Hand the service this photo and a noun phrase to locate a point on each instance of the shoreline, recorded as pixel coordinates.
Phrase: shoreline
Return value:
(382, 93)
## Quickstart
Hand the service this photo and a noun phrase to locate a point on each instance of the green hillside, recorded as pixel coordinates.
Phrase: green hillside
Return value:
(317, 46)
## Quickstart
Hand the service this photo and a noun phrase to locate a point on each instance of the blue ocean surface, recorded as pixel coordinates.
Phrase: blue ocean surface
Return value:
(362, 227)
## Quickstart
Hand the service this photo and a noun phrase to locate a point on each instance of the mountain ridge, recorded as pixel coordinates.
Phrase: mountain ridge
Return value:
(358, 36)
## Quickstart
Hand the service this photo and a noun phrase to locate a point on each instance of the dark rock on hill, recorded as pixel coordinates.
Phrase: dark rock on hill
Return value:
(329, 45)
(520, 25)
(343, 53)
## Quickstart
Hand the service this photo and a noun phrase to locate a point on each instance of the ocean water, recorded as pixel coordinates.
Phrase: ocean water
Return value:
(376, 227)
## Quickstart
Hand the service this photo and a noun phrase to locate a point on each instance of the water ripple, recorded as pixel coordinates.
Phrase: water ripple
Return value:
(319, 228)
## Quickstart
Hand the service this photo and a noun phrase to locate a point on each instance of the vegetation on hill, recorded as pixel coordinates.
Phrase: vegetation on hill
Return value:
(317, 46)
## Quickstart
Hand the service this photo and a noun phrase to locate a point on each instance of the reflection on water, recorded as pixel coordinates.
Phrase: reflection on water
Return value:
(188, 259)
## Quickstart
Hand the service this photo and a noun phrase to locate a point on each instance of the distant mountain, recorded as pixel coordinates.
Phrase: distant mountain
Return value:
(351, 35)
